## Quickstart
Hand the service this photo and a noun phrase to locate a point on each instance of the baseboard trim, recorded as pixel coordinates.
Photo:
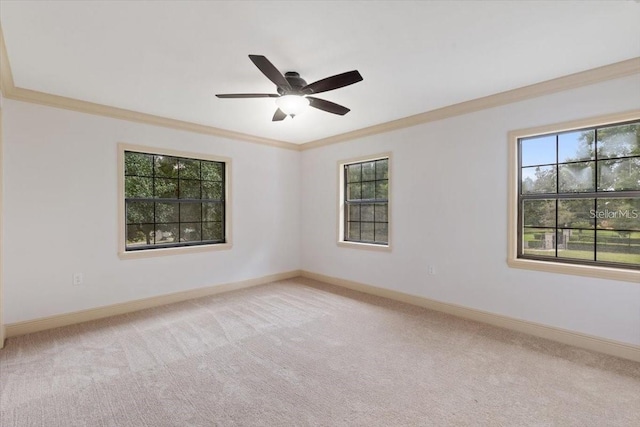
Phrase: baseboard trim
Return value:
(564, 336)
(56, 321)
(577, 339)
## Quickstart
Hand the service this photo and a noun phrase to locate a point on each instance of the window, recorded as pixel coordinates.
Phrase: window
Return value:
(364, 202)
(578, 196)
(172, 200)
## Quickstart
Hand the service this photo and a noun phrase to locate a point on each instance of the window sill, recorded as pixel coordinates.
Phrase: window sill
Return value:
(152, 253)
(625, 275)
(365, 246)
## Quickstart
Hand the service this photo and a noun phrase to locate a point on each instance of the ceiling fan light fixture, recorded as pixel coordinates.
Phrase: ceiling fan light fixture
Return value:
(294, 94)
(292, 105)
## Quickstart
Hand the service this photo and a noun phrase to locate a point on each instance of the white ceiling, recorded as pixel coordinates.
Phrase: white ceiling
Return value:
(170, 58)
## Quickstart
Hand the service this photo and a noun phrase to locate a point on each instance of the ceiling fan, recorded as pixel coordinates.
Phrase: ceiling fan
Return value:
(294, 93)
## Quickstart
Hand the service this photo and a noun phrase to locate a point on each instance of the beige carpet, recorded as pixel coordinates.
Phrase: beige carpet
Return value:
(301, 353)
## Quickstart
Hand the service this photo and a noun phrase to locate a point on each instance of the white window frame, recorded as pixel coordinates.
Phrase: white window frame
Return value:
(603, 272)
(122, 252)
(341, 205)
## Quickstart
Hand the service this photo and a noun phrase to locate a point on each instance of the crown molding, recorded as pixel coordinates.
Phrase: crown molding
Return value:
(6, 77)
(572, 81)
(27, 95)
(10, 91)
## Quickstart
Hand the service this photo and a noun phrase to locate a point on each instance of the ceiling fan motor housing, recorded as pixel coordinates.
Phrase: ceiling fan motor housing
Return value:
(295, 81)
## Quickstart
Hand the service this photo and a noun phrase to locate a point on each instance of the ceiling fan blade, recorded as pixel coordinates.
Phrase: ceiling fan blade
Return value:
(333, 82)
(269, 70)
(248, 95)
(328, 106)
(278, 116)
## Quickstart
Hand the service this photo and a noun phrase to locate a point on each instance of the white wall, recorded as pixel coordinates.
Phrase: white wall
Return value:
(449, 206)
(2, 328)
(450, 210)
(61, 215)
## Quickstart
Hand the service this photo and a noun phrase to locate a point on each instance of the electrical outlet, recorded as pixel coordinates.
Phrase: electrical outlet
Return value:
(432, 270)
(78, 278)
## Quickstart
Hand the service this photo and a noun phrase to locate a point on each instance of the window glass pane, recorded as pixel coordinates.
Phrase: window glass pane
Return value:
(602, 229)
(139, 235)
(212, 231)
(619, 175)
(135, 186)
(166, 188)
(353, 212)
(171, 219)
(539, 241)
(539, 179)
(166, 166)
(353, 230)
(212, 171)
(138, 164)
(577, 177)
(166, 233)
(575, 146)
(381, 230)
(619, 141)
(366, 182)
(189, 168)
(368, 190)
(212, 212)
(212, 190)
(166, 212)
(618, 246)
(540, 150)
(189, 189)
(369, 171)
(618, 214)
(353, 191)
(380, 212)
(366, 212)
(139, 212)
(354, 173)
(576, 213)
(539, 213)
(576, 244)
(190, 212)
(382, 169)
(382, 189)
(366, 231)
(190, 232)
